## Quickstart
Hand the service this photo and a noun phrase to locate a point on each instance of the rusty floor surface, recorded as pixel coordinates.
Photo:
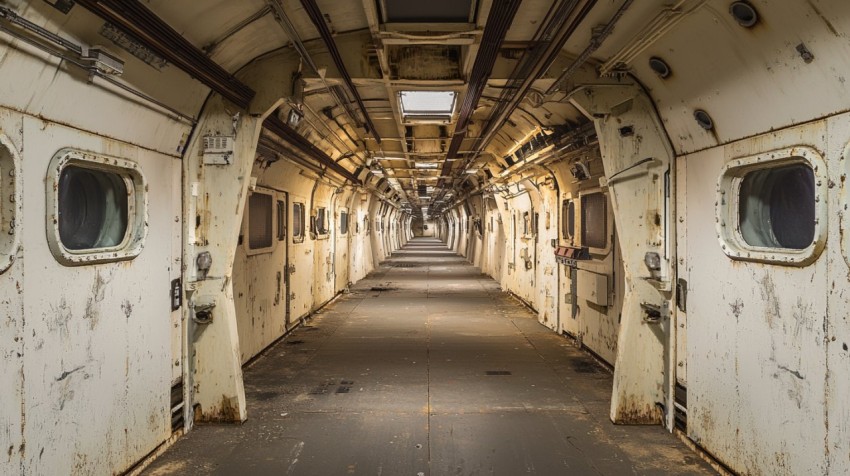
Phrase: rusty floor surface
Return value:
(427, 368)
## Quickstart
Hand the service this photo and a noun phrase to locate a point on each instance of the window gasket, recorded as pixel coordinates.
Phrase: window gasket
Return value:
(137, 209)
(728, 205)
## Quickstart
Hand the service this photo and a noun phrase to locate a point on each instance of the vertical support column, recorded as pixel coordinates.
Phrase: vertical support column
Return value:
(215, 197)
(638, 159)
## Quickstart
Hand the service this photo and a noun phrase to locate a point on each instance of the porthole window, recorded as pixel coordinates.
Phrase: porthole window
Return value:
(594, 221)
(92, 208)
(771, 207)
(260, 221)
(99, 208)
(776, 207)
(10, 202)
(297, 222)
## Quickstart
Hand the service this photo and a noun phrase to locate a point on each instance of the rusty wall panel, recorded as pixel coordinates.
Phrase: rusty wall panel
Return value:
(755, 334)
(12, 329)
(98, 348)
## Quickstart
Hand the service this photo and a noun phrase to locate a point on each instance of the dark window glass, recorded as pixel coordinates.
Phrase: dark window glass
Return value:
(343, 222)
(297, 221)
(259, 221)
(321, 222)
(594, 221)
(93, 208)
(568, 219)
(776, 207)
(281, 220)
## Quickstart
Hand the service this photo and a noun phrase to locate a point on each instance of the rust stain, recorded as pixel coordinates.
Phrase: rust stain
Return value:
(225, 413)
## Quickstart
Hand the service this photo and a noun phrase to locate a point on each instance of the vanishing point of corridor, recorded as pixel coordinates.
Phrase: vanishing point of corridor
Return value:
(427, 368)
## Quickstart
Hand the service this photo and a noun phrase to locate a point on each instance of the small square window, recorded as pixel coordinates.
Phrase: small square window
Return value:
(260, 221)
(594, 221)
(297, 222)
(770, 207)
(100, 208)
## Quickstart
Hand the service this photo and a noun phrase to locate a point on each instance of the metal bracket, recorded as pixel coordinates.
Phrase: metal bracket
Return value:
(654, 314)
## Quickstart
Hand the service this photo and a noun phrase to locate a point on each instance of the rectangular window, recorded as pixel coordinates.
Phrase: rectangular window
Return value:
(297, 222)
(281, 220)
(321, 221)
(594, 221)
(100, 208)
(568, 219)
(526, 224)
(343, 222)
(260, 221)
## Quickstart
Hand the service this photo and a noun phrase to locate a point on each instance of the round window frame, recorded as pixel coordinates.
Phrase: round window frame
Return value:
(727, 206)
(12, 214)
(137, 210)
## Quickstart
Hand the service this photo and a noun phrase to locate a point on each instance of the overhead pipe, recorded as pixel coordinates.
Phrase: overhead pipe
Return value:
(277, 127)
(499, 20)
(136, 20)
(595, 42)
(318, 20)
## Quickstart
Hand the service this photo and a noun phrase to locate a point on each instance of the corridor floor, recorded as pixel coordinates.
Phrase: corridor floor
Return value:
(427, 368)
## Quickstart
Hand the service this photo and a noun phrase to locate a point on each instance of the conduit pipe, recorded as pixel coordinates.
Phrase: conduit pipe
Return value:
(136, 20)
(277, 127)
(595, 42)
(318, 20)
(501, 17)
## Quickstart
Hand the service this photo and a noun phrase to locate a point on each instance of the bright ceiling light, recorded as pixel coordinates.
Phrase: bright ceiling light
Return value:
(427, 104)
(427, 165)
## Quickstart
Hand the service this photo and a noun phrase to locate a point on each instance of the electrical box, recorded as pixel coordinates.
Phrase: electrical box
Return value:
(218, 150)
(593, 287)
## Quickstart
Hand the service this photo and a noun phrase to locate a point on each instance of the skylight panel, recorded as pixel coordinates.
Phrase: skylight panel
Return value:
(423, 104)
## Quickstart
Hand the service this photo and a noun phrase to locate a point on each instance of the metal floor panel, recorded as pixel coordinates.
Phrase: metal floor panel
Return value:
(438, 373)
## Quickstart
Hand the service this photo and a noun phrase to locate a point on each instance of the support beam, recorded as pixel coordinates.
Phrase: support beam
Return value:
(136, 20)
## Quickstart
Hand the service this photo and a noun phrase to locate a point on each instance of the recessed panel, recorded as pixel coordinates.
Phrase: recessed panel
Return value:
(435, 11)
